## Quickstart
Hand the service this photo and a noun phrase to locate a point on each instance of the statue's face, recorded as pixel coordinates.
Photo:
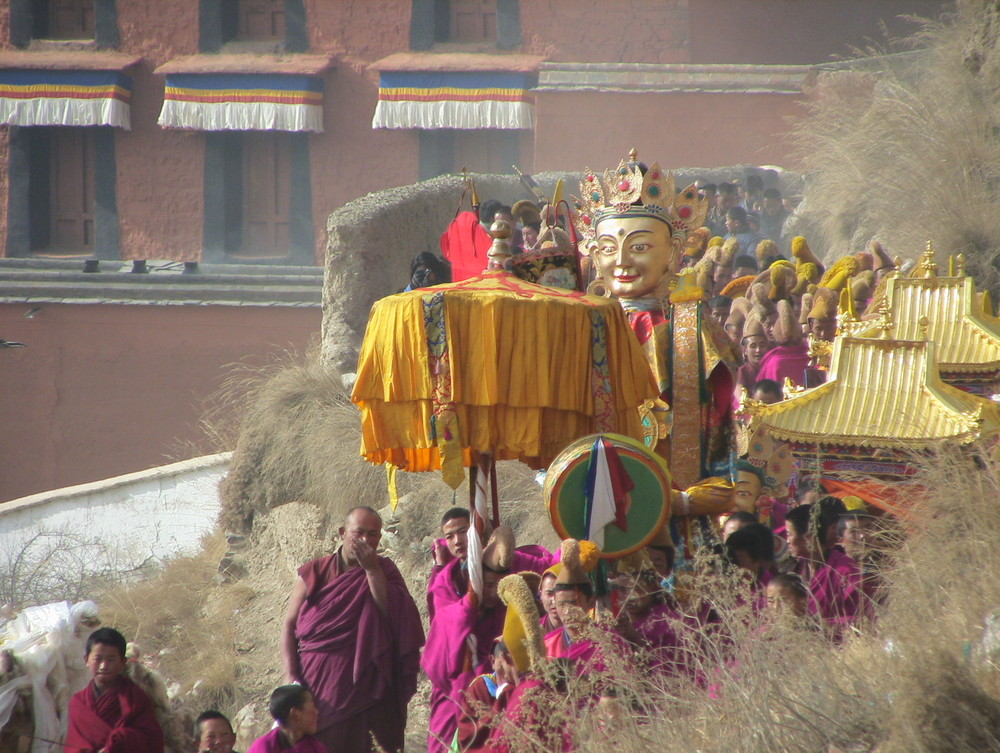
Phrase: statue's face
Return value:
(746, 491)
(633, 254)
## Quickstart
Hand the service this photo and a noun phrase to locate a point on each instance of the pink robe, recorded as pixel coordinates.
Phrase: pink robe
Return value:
(270, 743)
(360, 664)
(451, 664)
(120, 720)
(790, 361)
(833, 595)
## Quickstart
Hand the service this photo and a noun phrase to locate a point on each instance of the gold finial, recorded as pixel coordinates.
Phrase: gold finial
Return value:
(820, 351)
(885, 323)
(747, 407)
(499, 252)
(927, 268)
(924, 323)
(960, 265)
(897, 261)
(790, 388)
(633, 155)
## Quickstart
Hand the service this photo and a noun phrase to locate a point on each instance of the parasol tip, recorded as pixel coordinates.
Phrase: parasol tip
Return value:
(499, 252)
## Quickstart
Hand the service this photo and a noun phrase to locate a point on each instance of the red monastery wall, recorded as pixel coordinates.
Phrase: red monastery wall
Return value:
(159, 184)
(708, 130)
(108, 389)
(595, 31)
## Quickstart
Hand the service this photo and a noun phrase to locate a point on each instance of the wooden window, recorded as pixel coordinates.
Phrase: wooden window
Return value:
(62, 19)
(488, 151)
(261, 20)
(473, 21)
(266, 189)
(71, 19)
(61, 198)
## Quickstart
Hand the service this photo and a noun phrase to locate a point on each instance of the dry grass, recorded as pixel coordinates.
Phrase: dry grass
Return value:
(183, 620)
(910, 152)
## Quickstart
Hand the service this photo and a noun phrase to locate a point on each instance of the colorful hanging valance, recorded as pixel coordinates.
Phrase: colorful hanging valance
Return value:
(452, 99)
(243, 102)
(64, 98)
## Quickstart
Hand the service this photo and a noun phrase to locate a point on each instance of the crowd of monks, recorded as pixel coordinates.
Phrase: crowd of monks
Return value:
(645, 612)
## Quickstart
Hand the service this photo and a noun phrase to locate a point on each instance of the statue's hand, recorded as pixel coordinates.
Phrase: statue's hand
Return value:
(712, 496)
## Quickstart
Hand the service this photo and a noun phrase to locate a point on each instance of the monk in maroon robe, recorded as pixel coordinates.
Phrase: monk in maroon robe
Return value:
(112, 714)
(352, 634)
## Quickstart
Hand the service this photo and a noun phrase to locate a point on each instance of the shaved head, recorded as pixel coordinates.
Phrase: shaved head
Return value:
(363, 509)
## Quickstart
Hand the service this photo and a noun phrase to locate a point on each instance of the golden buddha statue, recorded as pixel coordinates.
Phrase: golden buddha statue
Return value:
(634, 225)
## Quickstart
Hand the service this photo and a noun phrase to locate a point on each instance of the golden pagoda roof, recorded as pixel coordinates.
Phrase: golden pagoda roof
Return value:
(883, 393)
(968, 340)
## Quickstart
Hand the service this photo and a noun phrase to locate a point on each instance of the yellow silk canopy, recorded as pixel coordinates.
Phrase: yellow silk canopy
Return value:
(494, 364)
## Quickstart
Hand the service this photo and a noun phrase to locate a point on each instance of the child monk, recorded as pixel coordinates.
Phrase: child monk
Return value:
(293, 708)
(112, 714)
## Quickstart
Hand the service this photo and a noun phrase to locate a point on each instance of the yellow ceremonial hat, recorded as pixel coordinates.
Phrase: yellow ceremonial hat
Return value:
(522, 634)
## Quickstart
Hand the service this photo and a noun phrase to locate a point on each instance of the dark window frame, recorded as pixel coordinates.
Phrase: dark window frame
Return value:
(430, 24)
(219, 25)
(30, 194)
(29, 20)
(225, 201)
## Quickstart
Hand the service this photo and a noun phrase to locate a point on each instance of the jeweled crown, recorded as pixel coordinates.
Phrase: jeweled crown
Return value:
(632, 190)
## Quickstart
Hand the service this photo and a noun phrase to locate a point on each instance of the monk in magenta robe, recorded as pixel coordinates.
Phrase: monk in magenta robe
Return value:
(458, 649)
(791, 356)
(449, 580)
(833, 596)
(112, 714)
(352, 634)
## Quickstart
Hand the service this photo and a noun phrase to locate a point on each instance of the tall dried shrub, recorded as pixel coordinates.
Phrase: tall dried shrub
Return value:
(906, 148)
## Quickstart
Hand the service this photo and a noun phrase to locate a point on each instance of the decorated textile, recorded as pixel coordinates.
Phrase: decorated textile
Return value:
(120, 720)
(242, 102)
(455, 99)
(65, 98)
(272, 743)
(494, 364)
(351, 654)
(693, 365)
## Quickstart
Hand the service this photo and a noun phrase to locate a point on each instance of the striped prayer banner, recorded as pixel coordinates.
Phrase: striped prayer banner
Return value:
(64, 98)
(455, 99)
(243, 102)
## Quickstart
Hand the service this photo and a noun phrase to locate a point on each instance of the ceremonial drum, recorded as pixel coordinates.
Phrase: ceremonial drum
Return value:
(646, 506)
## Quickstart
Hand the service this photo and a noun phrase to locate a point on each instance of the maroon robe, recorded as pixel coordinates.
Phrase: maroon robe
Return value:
(120, 720)
(361, 665)
(271, 743)
(833, 595)
(483, 704)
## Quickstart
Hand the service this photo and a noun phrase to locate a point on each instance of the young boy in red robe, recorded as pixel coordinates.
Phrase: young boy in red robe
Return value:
(112, 714)
(294, 709)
